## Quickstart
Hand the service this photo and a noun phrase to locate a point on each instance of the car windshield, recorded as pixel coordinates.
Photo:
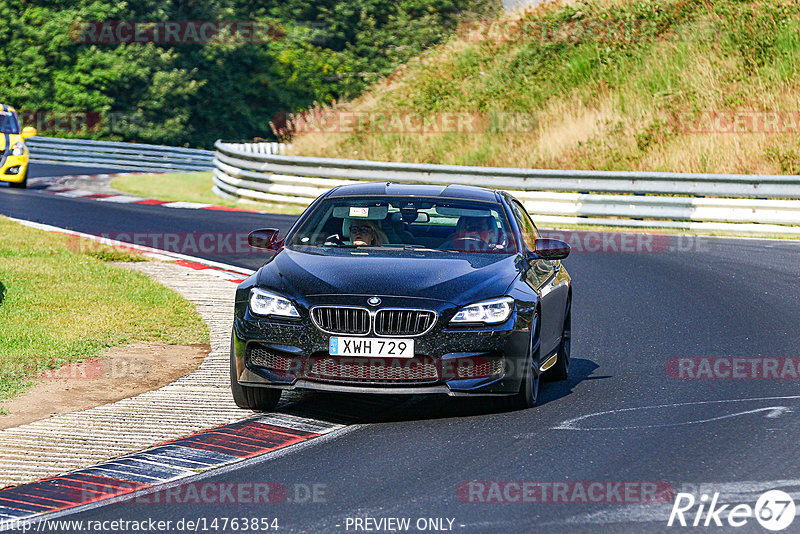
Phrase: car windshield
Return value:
(408, 222)
(8, 122)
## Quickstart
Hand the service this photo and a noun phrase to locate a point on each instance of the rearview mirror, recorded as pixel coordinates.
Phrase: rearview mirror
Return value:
(265, 238)
(28, 131)
(411, 217)
(550, 249)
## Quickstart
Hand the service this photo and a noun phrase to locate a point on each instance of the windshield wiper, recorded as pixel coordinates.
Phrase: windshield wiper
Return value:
(410, 246)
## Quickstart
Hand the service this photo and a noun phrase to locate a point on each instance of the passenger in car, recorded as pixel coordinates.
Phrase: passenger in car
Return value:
(365, 233)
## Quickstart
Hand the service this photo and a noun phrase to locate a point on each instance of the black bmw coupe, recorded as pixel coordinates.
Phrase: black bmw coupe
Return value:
(395, 288)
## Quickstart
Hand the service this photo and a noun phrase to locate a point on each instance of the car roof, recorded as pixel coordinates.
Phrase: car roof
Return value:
(5, 107)
(465, 192)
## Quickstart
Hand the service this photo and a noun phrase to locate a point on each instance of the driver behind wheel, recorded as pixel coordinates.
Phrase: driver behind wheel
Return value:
(363, 232)
(474, 233)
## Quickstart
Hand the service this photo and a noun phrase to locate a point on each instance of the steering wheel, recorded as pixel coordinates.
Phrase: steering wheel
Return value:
(334, 239)
(502, 242)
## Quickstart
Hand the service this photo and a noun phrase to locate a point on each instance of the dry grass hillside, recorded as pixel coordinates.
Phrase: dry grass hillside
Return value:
(666, 85)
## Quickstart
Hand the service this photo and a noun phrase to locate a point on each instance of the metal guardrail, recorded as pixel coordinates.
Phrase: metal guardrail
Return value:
(134, 156)
(724, 203)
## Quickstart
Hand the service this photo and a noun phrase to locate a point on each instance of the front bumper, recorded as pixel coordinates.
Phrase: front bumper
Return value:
(477, 360)
(11, 164)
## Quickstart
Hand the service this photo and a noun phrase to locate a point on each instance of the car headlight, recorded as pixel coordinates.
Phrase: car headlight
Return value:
(18, 149)
(266, 303)
(489, 311)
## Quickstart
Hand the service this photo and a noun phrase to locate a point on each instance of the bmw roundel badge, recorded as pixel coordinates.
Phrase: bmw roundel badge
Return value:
(373, 301)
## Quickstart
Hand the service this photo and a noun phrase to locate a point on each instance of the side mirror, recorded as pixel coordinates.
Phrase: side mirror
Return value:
(550, 249)
(265, 238)
(28, 131)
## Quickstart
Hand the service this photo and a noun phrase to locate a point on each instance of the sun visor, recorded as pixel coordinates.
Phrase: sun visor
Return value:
(461, 212)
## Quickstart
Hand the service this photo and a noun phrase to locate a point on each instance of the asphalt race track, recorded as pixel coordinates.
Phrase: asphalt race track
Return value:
(623, 416)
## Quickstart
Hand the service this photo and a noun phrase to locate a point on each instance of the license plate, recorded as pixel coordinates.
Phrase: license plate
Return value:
(371, 346)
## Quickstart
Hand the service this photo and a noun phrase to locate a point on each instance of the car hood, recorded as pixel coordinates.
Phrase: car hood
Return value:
(452, 277)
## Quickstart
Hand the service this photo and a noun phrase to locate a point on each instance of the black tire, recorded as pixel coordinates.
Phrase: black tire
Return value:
(529, 387)
(258, 399)
(20, 185)
(560, 370)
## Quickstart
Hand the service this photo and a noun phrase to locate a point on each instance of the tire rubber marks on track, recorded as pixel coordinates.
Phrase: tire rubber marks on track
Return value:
(164, 463)
(769, 412)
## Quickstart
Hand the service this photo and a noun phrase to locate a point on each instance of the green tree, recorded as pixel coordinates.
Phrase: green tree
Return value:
(192, 94)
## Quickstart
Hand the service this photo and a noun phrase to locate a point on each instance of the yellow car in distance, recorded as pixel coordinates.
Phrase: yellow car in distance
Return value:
(14, 158)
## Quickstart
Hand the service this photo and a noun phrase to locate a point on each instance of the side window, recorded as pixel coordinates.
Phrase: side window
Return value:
(529, 233)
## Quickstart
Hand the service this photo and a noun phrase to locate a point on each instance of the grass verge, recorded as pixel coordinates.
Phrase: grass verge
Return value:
(60, 302)
(190, 187)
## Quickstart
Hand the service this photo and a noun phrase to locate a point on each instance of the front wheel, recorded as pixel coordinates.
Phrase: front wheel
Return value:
(529, 387)
(249, 398)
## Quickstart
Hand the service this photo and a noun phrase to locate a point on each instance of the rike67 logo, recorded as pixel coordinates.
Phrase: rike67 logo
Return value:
(774, 510)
